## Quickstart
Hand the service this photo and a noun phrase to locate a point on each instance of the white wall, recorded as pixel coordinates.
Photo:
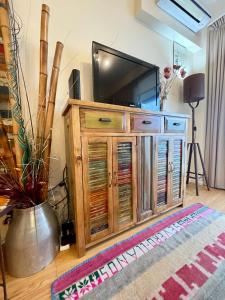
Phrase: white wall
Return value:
(77, 23)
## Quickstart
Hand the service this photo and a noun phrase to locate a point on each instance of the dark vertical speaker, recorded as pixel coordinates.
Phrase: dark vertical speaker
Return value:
(74, 84)
(194, 88)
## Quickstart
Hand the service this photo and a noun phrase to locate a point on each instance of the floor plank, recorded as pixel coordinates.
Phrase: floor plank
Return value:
(37, 287)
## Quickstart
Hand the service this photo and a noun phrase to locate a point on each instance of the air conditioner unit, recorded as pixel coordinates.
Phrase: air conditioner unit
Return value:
(187, 12)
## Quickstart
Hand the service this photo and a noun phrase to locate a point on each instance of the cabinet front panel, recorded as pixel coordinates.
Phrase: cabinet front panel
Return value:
(145, 176)
(124, 183)
(102, 120)
(175, 125)
(145, 123)
(177, 169)
(97, 178)
(162, 172)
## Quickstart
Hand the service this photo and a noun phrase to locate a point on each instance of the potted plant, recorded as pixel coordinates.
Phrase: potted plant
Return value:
(32, 240)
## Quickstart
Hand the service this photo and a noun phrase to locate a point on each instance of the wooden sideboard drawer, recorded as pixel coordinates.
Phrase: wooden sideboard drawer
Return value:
(174, 125)
(145, 123)
(102, 120)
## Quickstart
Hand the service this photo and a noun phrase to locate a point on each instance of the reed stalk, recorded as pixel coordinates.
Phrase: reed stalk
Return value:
(43, 76)
(50, 113)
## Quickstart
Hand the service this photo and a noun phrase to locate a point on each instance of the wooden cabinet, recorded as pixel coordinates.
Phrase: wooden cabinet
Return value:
(109, 174)
(124, 167)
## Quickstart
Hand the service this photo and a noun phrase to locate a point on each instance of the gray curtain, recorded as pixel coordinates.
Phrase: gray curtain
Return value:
(215, 118)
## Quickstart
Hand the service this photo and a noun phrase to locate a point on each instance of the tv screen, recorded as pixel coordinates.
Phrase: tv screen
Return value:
(121, 79)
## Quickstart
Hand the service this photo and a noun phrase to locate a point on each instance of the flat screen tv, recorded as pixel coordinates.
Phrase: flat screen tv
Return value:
(121, 79)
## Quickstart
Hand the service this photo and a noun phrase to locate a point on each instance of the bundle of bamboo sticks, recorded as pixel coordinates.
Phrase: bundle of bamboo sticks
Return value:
(46, 104)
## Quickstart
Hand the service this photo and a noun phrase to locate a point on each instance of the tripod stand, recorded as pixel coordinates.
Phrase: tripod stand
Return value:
(194, 147)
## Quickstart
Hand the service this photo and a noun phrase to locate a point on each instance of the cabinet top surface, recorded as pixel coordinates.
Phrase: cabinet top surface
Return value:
(106, 106)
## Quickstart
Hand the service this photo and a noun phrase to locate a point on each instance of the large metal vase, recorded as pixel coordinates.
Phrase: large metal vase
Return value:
(32, 240)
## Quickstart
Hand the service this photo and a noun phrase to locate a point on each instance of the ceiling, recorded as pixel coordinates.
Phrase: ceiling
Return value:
(215, 7)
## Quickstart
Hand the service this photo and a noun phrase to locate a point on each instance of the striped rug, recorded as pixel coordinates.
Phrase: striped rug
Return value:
(180, 257)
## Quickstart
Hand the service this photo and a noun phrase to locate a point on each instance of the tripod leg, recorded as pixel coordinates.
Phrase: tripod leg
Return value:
(189, 162)
(196, 168)
(203, 167)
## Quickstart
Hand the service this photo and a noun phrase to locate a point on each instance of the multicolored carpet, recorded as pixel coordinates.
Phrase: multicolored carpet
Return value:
(180, 257)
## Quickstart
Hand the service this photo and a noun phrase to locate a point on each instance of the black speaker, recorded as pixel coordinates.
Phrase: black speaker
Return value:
(194, 88)
(74, 84)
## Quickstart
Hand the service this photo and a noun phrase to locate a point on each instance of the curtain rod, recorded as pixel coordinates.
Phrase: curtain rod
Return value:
(220, 16)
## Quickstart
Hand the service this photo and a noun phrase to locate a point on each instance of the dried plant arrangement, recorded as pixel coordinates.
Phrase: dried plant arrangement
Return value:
(25, 166)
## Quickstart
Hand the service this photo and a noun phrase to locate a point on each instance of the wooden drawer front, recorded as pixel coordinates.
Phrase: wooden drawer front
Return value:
(102, 120)
(140, 123)
(175, 124)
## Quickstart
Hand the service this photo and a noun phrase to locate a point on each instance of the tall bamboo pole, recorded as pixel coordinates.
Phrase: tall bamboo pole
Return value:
(8, 158)
(6, 35)
(50, 112)
(43, 76)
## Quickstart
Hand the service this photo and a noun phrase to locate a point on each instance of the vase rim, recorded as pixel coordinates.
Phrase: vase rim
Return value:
(35, 207)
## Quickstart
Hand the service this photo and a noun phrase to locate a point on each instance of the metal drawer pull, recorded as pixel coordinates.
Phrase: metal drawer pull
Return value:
(147, 122)
(176, 124)
(105, 120)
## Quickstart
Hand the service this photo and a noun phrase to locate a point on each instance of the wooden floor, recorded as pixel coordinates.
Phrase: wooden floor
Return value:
(37, 287)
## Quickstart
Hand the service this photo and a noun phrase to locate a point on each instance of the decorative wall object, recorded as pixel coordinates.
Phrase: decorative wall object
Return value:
(179, 55)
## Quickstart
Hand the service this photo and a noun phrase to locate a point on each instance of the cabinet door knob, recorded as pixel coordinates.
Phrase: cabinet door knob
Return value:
(176, 124)
(105, 120)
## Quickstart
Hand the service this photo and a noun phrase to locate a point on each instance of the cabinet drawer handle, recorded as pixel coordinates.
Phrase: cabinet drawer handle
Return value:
(105, 120)
(147, 122)
(176, 124)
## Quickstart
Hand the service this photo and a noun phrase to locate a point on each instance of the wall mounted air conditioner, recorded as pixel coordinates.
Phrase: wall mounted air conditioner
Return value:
(187, 12)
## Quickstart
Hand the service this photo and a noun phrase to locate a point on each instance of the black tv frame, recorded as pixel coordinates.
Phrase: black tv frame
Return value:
(95, 48)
